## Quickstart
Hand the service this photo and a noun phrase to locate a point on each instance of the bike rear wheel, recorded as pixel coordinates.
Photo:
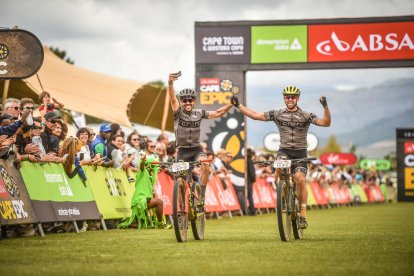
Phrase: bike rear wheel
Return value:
(180, 210)
(297, 231)
(282, 210)
(199, 218)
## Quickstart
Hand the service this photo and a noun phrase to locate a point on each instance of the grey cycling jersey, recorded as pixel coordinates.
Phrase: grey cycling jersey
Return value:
(187, 127)
(293, 126)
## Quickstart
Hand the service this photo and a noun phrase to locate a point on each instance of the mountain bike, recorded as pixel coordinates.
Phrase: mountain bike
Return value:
(187, 204)
(287, 202)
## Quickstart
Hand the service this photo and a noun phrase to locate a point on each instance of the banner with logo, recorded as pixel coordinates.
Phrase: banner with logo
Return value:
(55, 196)
(111, 190)
(218, 199)
(318, 193)
(377, 164)
(163, 189)
(360, 42)
(338, 158)
(15, 204)
(405, 164)
(263, 194)
(279, 44)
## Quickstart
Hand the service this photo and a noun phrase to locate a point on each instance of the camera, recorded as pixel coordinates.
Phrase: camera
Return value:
(49, 106)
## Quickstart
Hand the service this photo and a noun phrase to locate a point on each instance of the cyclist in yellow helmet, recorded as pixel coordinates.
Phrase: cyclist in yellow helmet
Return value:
(293, 124)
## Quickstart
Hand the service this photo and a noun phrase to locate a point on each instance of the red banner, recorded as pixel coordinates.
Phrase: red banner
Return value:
(355, 42)
(218, 199)
(338, 158)
(408, 147)
(263, 195)
(318, 194)
(163, 190)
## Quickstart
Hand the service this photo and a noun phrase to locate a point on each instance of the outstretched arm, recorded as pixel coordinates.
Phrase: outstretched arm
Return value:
(219, 112)
(325, 121)
(246, 111)
(174, 102)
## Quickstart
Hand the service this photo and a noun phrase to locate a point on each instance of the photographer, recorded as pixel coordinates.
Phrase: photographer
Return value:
(48, 104)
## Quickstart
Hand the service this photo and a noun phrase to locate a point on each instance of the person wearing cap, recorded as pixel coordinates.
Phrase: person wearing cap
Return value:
(50, 142)
(99, 145)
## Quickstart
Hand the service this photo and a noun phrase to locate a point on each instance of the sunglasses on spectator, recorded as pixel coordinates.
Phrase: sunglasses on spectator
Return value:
(190, 100)
(15, 108)
(136, 139)
(27, 108)
(152, 147)
(290, 97)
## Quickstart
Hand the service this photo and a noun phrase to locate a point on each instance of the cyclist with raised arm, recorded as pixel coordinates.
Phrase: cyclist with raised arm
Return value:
(293, 124)
(187, 123)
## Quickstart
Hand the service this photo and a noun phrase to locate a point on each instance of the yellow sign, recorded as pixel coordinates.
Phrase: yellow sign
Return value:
(215, 97)
(409, 178)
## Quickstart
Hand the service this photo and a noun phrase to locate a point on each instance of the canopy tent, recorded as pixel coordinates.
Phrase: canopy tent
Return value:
(108, 98)
(148, 107)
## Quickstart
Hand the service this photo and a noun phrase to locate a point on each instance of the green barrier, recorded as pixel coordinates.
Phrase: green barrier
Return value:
(361, 193)
(55, 196)
(111, 190)
(311, 199)
(378, 164)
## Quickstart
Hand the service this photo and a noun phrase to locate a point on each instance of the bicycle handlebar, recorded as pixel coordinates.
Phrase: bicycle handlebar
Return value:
(294, 161)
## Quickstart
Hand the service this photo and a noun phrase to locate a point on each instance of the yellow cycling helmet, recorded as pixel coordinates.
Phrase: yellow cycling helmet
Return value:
(291, 90)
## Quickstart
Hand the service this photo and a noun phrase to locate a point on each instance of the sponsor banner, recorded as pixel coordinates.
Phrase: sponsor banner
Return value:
(222, 44)
(405, 164)
(222, 200)
(377, 164)
(111, 190)
(21, 54)
(279, 44)
(226, 132)
(338, 158)
(263, 194)
(163, 189)
(55, 196)
(15, 204)
(318, 193)
(361, 42)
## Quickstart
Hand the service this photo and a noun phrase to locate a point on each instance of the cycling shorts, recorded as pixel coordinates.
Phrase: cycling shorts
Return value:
(295, 154)
(190, 154)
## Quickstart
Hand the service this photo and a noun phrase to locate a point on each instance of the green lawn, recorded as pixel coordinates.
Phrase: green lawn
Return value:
(376, 239)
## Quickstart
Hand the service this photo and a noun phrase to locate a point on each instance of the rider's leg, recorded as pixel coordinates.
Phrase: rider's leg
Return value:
(302, 191)
(205, 169)
(158, 205)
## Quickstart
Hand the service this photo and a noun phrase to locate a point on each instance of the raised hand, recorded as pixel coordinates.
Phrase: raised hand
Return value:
(235, 101)
(323, 101)
(173, 77)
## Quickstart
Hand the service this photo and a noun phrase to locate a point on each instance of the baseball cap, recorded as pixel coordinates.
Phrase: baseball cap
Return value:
(52, 115)
(105, 128)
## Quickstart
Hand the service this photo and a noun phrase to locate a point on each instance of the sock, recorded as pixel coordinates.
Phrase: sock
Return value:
(303, 210)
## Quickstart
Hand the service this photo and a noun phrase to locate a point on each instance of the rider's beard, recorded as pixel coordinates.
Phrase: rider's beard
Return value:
(291, 108)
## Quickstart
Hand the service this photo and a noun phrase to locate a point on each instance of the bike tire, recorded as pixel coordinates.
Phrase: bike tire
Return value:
(297, 231)
(180, 211)
(283, 215)
(198, 223)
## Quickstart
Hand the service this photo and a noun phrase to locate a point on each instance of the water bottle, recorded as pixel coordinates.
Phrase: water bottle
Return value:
(29, 120)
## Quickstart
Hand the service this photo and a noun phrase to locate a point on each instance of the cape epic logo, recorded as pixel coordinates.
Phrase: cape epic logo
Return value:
(216, 91)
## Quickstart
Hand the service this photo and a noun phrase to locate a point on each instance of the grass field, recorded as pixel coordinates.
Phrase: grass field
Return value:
(363, 240)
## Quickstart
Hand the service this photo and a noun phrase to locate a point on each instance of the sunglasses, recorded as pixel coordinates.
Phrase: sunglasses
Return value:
(16, 108)
(136, 139)
(187, 100)
(29, 108)
(290, 97)
(152, 147)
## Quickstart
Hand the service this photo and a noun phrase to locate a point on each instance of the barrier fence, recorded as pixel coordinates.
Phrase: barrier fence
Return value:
(42, 192)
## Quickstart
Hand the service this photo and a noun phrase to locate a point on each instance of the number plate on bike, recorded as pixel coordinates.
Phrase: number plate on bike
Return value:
(280, 164)
(181, 166)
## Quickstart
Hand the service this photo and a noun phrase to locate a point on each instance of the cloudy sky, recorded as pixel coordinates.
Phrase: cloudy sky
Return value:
(145, 40)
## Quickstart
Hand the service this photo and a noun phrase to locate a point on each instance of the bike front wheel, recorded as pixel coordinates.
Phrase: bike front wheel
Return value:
(199, 219)
(180, 210)
(282, 211)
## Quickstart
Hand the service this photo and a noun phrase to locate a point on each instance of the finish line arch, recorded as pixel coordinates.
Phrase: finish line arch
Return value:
(225, 51)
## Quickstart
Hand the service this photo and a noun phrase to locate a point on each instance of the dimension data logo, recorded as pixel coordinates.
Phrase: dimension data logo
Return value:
(349, 42)
(279, 44)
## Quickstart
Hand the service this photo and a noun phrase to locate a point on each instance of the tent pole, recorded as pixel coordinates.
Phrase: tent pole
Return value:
(165, 112)
(5, 91)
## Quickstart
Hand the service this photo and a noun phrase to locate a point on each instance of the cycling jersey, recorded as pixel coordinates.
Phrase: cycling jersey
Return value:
(293, 126)
(187, 127)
